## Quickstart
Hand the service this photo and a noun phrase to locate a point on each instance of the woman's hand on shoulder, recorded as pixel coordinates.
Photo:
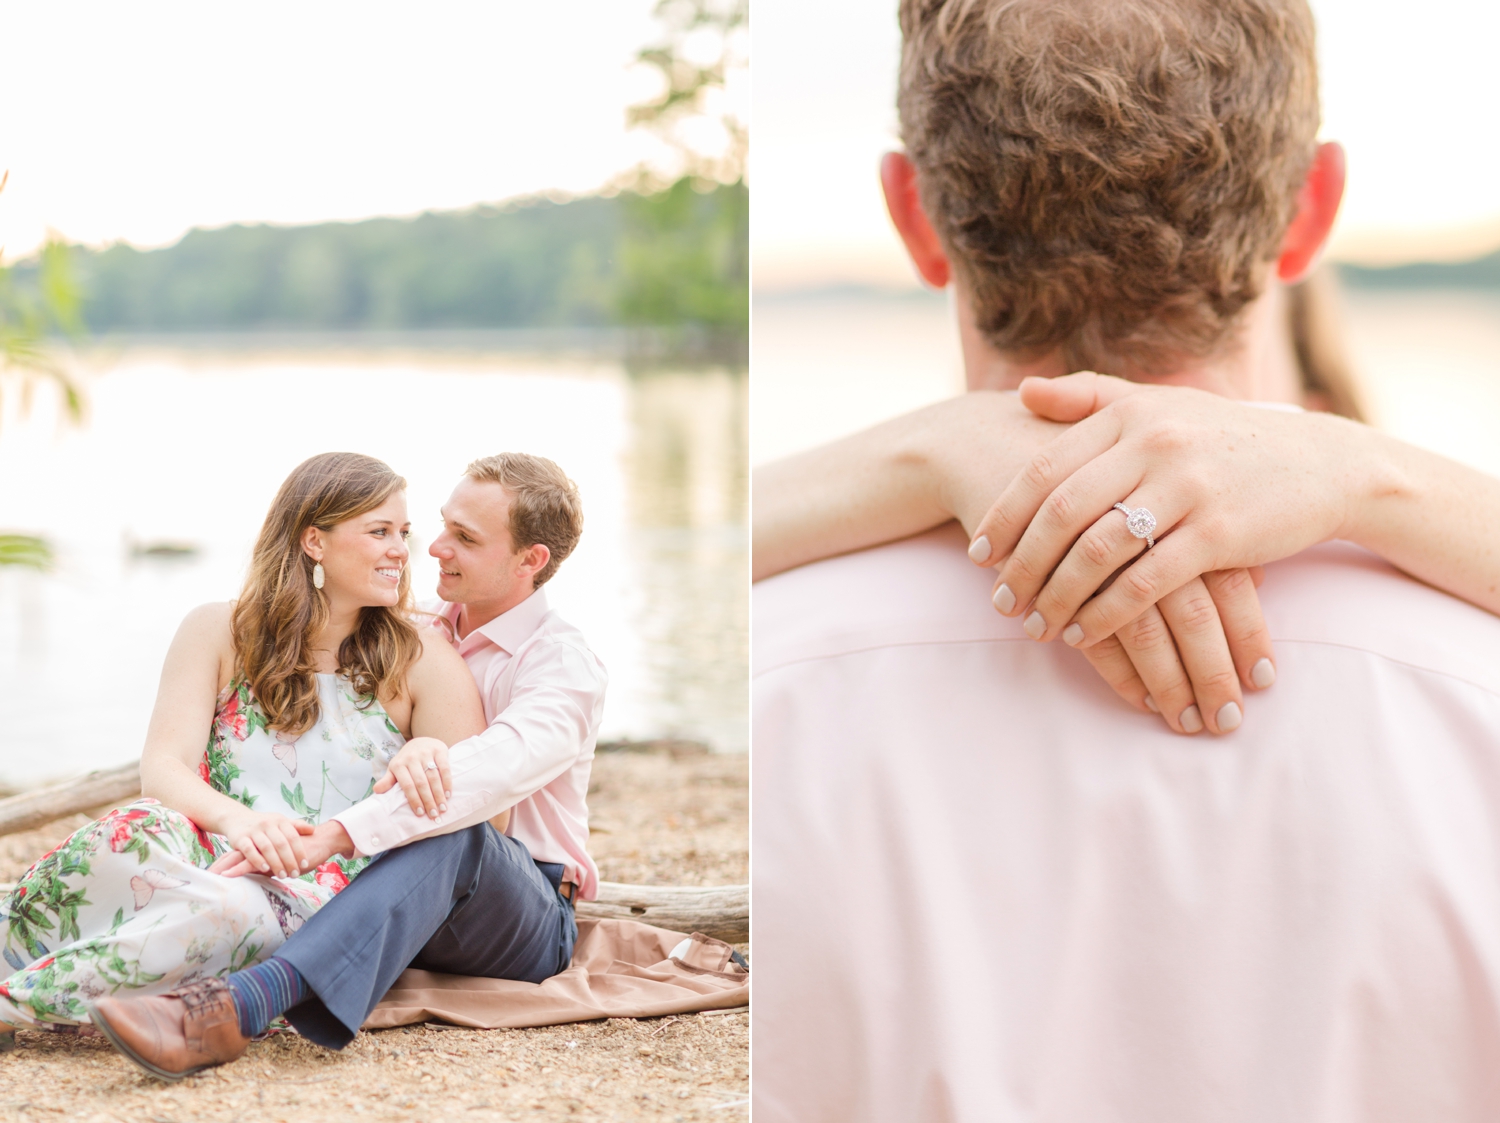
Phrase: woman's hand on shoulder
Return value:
(1228, 485)
(1178, 627)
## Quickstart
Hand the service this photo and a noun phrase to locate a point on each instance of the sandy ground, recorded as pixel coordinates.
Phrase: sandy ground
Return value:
(668, 815)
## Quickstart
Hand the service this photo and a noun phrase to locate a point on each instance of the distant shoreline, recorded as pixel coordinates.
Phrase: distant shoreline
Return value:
(636, 347)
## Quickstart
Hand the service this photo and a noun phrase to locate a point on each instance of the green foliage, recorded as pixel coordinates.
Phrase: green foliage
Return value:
(684, 258)
(23, 549)
(703, 41)
(672, 259)
(29, 313)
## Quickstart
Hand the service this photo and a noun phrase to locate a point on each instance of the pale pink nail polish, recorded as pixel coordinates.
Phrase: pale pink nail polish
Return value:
(1263, 674)
(1005, 600)
(1035, 625)
(979, 550)
(1151, 705)
(1072, 635)
(1229, 717)
(1191, 720)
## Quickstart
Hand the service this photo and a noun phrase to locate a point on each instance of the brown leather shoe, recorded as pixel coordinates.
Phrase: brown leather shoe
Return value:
(177, 1034)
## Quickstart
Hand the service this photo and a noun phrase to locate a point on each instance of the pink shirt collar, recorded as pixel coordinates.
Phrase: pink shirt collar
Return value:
(509, 630)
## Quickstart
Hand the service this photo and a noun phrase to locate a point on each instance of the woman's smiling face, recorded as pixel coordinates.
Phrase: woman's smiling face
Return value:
(365, 557)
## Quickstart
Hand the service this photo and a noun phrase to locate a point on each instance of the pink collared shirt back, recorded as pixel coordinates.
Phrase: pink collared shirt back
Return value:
(543, 694)
(985, 889)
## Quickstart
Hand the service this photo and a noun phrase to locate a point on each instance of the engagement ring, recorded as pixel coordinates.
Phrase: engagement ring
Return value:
(433, 768)
(1140, 522)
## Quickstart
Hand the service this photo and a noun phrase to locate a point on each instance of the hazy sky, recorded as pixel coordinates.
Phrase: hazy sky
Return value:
(140, 120)
(1408, 88)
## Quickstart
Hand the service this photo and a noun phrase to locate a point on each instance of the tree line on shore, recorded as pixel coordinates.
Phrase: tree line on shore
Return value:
(675, 258)
(1478, 273)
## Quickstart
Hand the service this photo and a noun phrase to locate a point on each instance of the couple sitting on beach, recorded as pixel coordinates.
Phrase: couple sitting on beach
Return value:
(361, 806)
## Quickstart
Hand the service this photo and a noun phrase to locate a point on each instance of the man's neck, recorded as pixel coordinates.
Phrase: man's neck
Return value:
(477, 614)
(1260, 366)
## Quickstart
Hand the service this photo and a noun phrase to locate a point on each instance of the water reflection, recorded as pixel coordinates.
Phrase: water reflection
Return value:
(185, 448)
(688, 514)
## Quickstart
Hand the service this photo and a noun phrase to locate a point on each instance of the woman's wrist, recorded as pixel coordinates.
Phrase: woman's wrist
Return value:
(1375, 481)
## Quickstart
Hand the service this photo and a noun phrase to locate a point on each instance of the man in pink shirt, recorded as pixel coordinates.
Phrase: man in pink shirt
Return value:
(448, 891)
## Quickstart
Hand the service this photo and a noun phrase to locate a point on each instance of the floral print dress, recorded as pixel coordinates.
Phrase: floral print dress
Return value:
(127, 902)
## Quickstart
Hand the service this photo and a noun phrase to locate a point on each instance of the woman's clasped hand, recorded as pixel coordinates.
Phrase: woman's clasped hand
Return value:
(1229, 485)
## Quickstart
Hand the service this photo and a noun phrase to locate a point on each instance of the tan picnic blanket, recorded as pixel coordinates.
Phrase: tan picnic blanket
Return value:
(620, 969)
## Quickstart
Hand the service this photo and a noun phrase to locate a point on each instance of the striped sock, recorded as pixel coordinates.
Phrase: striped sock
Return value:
(264, 992)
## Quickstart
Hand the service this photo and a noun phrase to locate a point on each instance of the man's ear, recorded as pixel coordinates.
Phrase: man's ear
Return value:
(534, 559)
(899, 179)
(1317, 207)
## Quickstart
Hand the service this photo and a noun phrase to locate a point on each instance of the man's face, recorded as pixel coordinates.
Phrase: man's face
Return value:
(478, 564)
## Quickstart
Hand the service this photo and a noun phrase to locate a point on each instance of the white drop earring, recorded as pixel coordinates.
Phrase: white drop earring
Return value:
(317, 575)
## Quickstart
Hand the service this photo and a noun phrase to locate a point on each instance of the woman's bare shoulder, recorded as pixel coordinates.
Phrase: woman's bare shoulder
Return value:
(438, 665)
(205, 639)
(209, 624)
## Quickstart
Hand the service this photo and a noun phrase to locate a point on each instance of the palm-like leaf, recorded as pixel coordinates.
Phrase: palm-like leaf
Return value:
(22, 549)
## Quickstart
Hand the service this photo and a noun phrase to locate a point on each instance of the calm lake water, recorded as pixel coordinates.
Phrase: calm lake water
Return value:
(830, 365)
(188, 444)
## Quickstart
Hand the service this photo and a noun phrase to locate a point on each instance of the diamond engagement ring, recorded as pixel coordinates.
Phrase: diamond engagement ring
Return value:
(1139, 521)
(430, 766)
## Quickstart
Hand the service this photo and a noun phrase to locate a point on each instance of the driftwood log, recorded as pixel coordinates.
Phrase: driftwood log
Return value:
(32, 809)
(722, 911)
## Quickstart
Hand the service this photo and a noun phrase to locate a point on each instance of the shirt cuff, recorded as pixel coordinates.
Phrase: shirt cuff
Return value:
(384, 821)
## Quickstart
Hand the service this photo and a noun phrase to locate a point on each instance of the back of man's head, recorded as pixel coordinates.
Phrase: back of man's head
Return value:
(1110, 178)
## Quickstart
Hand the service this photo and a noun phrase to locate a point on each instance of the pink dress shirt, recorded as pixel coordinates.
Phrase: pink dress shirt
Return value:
(543, 692)
(988, 890)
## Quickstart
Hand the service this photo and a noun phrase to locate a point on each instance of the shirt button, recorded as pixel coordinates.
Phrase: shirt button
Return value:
(375, 838)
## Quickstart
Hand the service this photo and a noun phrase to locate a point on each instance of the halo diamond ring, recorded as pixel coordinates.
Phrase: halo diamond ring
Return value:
(430, 766)
(1139, 521)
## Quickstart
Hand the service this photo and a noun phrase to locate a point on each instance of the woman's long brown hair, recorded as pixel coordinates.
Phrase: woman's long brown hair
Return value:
(1316, 320)
(279, 612)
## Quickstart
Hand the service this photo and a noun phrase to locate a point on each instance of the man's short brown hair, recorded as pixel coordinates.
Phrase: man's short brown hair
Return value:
(1109, 177)
(544, 504)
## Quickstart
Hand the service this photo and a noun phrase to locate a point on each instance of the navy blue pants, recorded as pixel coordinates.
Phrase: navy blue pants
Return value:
(468, 903)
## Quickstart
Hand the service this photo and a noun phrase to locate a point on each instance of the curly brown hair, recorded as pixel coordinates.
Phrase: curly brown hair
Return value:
(279, 611)
(1110, 178)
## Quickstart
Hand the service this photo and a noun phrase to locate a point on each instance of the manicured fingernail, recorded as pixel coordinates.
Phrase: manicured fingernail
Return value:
(1072, 635)
(442, 807)
(979, 550)
(1005, 600)
(1263, 674)
(1151, 705)
(448, 794)
(1035, 625)
(1229, 717)
(1191, 720)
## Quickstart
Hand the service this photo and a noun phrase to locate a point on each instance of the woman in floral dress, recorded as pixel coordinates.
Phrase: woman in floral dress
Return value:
(304, 690)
